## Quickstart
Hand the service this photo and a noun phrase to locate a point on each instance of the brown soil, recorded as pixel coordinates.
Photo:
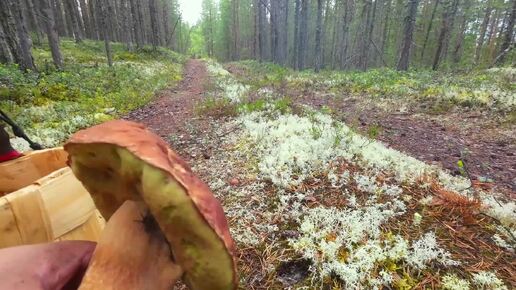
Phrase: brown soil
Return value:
(488, 149)
(172, 114)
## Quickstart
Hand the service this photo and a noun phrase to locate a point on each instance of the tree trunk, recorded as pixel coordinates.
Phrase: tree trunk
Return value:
(5, 53)
(60, 18)
(16, 34)
(430, 24)
(137, 24)
(128, 24)
(385, 34)
(235, 29)
(261, 29)
(363, 48)
(78, 16)
(508, 37)
(408, 31)
(451, 26)
(86, 17)
(274, 34)
(494, 35)
(33, 11)
(444, 35)
(325, 29)
(94, 19)
(457, 50)
(52, 34)
(114, 31)
(103, 8)
(483, 29)
(166, 24)
(296, 33)
(318, 29)
(303, 38)
(284, 37)
(154, 23)
(74, 19)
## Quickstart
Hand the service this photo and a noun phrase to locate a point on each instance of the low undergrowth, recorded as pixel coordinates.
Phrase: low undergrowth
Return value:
(316, 205)
(438, 92)
(52, 104)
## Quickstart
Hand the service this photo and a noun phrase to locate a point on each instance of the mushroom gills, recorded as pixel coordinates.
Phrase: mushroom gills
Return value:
(113, 175)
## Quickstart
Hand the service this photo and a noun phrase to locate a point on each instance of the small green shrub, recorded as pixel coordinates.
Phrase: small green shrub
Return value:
(216, 107)
(52, 104)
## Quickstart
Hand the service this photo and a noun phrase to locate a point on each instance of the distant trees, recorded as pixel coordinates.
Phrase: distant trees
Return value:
(134, 22)
(410, 21)
(361, 34)
(16, 37)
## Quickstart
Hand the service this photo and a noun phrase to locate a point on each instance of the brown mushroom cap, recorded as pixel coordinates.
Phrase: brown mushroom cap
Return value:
(121, 160)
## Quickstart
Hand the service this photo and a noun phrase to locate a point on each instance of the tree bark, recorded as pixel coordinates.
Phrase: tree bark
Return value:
(408, 31)
(16, 34)
(363, 48)
(296, 33)
(60, 18)
(370, 36)
(385, 34)
(86, 17)
(52, 34)
(103, 8)
(508, 37)
(94, 19)
(429, 29)
(444, 35)
(235, 29)
(458, 47)
(78, 17)
(483, 29)
(154, 23)
(5, 53)
(128, 24)
(318, 30)
(303, 37)
(166, 24)
(71, 13)
(261, 29)
(274, 34)
(33, 11)
(137, 24)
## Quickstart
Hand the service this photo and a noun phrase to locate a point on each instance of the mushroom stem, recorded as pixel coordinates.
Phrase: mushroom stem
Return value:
(129, 256)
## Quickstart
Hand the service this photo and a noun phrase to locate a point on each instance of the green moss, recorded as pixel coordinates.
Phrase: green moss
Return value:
(86, 91)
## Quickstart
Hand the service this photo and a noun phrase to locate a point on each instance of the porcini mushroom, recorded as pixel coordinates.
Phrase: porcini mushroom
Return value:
(121, 160)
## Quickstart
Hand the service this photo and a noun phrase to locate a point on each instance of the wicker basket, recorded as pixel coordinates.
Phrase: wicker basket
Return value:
(44, 202)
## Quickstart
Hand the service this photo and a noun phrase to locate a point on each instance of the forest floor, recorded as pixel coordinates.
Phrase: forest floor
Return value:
(172, 113)
(346, 223)
(487, 147)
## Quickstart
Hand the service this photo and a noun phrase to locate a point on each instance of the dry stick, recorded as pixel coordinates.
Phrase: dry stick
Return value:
(379, 53)
(173, 32)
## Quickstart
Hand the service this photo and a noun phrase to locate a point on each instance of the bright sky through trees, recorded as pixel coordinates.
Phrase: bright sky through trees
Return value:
(191, 10)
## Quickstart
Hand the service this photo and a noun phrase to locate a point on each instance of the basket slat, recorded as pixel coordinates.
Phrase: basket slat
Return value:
(24, 171)
(89, 231)
(30, 216)
(55, 207)
(66, 201)
(9, 233)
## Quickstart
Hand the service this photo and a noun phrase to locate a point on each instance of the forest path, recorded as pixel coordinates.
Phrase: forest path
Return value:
(436, 139)
(171, 114)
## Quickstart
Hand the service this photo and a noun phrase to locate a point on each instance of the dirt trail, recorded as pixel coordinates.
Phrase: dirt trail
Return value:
(437, 139)
(172, 114)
